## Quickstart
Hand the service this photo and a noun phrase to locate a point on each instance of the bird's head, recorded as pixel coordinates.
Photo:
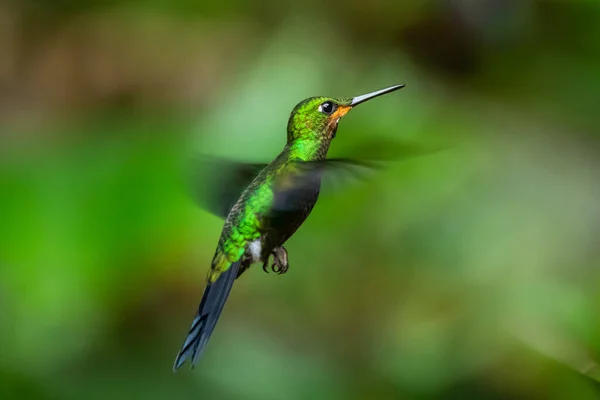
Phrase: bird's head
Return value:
(317, 118)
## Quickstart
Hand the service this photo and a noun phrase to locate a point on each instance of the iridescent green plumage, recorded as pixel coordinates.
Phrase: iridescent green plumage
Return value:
(271, 208)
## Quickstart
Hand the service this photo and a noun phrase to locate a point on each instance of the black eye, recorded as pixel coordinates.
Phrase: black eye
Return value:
(327, 107)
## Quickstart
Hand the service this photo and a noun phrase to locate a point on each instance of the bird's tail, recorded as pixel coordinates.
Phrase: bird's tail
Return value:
(210, 308)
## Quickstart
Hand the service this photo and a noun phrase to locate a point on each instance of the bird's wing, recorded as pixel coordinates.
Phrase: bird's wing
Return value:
(216, 183)
(340, 172)
(301, 182)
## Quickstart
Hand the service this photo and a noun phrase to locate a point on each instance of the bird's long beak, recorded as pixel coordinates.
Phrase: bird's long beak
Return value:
(361, 99)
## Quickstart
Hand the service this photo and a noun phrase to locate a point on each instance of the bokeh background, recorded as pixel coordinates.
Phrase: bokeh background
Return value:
(467, 273)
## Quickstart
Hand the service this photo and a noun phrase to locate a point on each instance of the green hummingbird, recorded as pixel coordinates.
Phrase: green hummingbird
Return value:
(264, 205)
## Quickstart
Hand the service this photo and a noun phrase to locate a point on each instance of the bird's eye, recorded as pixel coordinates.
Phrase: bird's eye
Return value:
(327, 107)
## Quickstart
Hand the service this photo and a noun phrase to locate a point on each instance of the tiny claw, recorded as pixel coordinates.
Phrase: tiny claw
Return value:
(283, 269)
(280, 261)
(278, 268)
(275, 268)
(265, 268)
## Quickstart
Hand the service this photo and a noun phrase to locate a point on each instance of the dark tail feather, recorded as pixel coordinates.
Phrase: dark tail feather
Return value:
(210, 308)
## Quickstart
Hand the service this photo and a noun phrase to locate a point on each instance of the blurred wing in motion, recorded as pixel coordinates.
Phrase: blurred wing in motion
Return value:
(217, 183)
(294, 190)
(383, 149)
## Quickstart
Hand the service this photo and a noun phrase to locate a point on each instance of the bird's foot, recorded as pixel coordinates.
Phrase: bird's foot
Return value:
(280, 261)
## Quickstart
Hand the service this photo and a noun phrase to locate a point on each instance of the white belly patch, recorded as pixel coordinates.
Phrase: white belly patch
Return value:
(255, 249)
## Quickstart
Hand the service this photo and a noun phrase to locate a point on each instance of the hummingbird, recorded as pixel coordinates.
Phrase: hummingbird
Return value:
(263, 206)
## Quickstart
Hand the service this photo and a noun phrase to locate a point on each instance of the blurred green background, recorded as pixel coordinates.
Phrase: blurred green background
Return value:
(471, 273)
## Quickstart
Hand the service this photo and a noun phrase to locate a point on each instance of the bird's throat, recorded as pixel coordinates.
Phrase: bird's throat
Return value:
(308, 149)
